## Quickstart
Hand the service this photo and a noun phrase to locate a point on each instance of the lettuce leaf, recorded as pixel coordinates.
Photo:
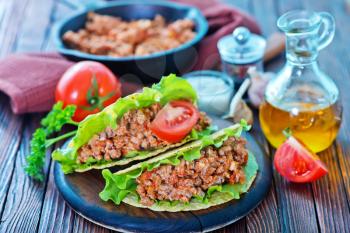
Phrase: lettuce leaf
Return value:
(169, 88)
(122, 185)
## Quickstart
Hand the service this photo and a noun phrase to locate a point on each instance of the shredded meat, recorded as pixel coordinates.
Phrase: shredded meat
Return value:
(188, 179)
(108, 35)
(132, 134)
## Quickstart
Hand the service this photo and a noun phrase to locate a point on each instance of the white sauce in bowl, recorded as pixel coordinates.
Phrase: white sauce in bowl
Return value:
(214, 93)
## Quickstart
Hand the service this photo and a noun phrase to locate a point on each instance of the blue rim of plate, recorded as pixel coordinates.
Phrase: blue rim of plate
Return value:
(200, 19)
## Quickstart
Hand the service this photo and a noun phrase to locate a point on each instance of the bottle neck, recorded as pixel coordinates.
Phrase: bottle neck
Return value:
(302, 69)
(302, 49)
(305, 64)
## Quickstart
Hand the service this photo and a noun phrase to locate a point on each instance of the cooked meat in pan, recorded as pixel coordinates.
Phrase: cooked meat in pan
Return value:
(112, 36)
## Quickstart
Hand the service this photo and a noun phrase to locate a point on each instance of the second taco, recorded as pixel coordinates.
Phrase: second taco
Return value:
(207, 172)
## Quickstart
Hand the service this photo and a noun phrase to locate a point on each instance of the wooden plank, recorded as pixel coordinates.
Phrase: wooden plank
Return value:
(333, 206)
(329, 216)
(341, 70)
(35, 30)
(56, 215)
(24, 199)
(237, 227)
(330, 198)
(11, 20)
(295, 202)
(82, 225)
(264, 218)
(10, 138)
(295, 206)
(11, 130)
(343, 152)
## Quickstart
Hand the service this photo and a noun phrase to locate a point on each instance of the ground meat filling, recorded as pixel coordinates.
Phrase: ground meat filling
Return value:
(188, 179)
(132, 134)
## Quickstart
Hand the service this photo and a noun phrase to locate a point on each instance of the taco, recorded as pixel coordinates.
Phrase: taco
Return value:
(123, 132)
(207, 172)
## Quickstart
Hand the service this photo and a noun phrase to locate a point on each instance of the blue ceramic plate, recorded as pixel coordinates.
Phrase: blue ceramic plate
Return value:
(176, 60)
(80, 190)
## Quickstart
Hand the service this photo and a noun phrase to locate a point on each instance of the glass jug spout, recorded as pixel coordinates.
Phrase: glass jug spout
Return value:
(307, 32)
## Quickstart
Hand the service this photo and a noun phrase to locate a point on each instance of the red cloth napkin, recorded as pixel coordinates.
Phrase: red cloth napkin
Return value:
(30, 79)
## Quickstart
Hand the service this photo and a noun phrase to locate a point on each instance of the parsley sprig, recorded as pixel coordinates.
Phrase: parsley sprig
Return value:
(52, 123)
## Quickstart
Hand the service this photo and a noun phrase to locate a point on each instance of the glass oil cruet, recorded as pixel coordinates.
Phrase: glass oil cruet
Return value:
(301, 97)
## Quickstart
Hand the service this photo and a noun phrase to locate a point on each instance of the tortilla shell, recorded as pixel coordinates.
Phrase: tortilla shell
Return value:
(125, 161)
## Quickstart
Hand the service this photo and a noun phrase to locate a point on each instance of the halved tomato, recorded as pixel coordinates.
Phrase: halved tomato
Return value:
(175, 121)
(295, 162)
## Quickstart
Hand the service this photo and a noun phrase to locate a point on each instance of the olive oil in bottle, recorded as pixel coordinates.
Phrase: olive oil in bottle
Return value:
(315, 126)
(301, 96)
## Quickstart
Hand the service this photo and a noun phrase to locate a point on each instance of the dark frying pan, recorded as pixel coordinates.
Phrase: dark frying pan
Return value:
(146, 68)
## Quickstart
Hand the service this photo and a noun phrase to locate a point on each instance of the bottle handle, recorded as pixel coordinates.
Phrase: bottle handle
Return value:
(327, 34)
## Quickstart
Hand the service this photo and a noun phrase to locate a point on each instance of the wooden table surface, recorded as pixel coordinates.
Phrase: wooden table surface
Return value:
(27, 206)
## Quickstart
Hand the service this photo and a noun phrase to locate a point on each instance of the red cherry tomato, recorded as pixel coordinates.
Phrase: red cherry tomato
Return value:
(90, 86)
(175, 121)
(297, 163)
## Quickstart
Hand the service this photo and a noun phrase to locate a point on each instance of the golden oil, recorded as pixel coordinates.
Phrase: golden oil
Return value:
(315, 126)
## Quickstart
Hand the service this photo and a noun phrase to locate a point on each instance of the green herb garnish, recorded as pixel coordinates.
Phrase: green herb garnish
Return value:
(52, 123)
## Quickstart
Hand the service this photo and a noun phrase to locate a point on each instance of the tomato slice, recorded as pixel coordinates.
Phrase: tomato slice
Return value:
(297, 163)
(175, 120)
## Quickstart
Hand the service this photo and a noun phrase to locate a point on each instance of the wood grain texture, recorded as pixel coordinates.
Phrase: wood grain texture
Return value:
(11, 18)
(324, 225)
(36, 27)
(237, 227)
(56, 215)
(82, 225)
(334, 203)
(322, 206)
(10, 125)
(24, 200)
(10, 138)
(265, 218)
(330, 197)
(295, 206)
(340, 56)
